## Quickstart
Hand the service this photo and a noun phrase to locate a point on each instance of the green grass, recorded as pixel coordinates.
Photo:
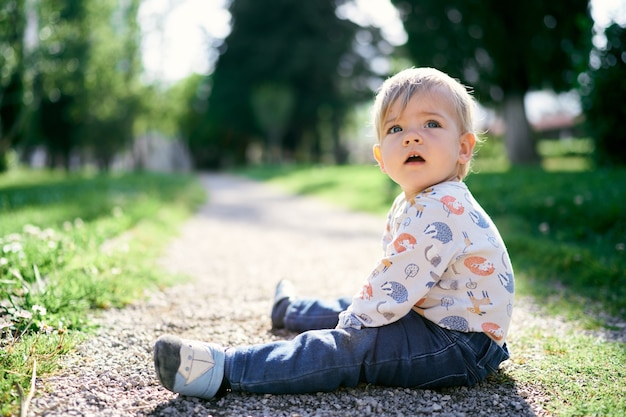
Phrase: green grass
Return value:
(70, 244)
(579, 374)
(565, 229)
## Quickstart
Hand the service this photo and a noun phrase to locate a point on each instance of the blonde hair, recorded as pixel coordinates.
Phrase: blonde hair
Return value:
(405, 84)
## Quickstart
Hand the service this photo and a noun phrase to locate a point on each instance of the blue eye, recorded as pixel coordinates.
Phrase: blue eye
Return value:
(394, 129)
(432, 124)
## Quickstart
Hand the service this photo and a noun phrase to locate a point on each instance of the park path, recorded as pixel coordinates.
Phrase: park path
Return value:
(238, 245)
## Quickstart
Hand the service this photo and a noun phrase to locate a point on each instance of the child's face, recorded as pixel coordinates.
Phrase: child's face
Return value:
(423, 144)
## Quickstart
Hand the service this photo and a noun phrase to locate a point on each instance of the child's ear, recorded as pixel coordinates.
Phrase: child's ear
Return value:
(378, 155)
(466, 150)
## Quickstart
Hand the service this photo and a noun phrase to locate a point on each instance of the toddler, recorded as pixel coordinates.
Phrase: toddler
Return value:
(436, 308)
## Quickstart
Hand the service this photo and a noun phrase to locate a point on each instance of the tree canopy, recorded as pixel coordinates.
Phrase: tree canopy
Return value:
(74, 88)
(286, 78)
(298, 56)
(12, 26)
(503, 50)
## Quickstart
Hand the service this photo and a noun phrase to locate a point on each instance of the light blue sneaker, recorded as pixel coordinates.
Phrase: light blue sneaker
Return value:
(189, 367)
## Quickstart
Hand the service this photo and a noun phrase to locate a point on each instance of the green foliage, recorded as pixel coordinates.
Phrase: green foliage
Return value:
(272, 105)
(60, 66)
(112, 101)
(304, 48)
(603, 93)
(12, 24)
(175, 110)
(502, 50)
(71, 244)
(77, 89)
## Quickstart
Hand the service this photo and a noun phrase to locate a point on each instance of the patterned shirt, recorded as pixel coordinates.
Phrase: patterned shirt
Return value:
(443, 258)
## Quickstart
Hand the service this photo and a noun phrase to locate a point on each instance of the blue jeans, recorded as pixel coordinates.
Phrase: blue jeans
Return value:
(411, 352)
(313, 314)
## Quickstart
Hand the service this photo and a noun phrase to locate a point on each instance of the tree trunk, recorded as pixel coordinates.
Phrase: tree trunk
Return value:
(519, 140)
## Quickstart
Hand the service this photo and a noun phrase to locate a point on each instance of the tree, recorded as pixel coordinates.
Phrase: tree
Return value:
(12, 109)
(603, 92)
(191, 118)
(272, 106)
(111, 80)
(503, 50)
(86, 80)
(301, 47)
(61, 62)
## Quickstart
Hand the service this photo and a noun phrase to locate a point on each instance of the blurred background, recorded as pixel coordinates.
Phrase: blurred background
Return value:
(108, 109)
(183, 85)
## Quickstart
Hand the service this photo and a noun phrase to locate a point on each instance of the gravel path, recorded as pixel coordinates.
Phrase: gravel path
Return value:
(237, 247)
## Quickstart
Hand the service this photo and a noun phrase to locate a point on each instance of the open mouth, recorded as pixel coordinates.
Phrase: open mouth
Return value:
(414, 158)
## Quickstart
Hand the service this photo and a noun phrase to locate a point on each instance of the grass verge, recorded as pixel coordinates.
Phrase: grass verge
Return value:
(70, 244)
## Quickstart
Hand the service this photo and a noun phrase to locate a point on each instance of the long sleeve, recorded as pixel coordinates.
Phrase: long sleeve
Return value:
(443, 258)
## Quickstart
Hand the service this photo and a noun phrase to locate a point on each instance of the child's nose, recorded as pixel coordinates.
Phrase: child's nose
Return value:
(411, 137)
